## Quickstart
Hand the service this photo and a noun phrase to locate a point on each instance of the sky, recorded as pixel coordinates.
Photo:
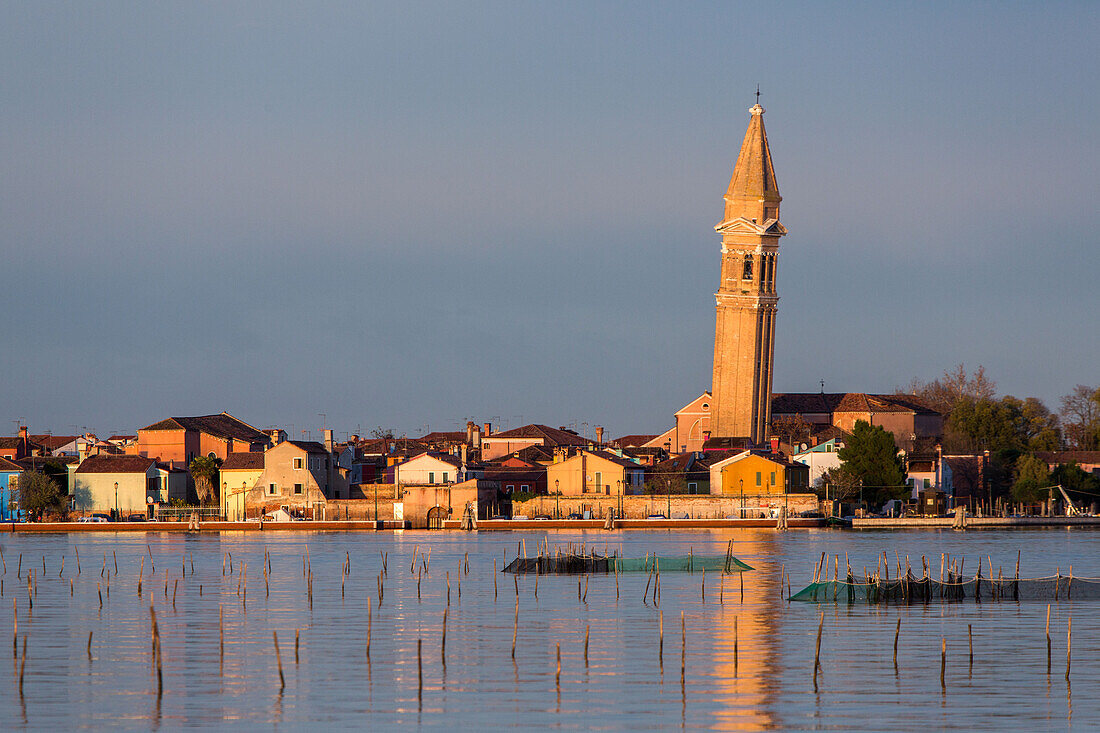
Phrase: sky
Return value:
(412, 214)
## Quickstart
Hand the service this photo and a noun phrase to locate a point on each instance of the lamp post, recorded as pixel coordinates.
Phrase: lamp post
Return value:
(742, 497)
(557, 501)
(116, 501)
(619, 491)
(225, 499)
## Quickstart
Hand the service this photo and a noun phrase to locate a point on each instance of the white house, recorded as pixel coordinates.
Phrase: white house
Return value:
(821, 458)
(430, 468)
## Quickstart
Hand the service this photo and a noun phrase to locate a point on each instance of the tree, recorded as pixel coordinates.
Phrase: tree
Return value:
(204, 470)
(791, 429)
(1032, 479)
(871, 455)
(673, 482)
(838, 484)
(382, 433)
(944, 393)
(1081, 417)
(1082, 485)
(38, 494)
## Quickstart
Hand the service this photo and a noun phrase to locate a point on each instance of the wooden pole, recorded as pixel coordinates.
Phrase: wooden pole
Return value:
(370, 623)
(22, 665)
(943, 662)
(419, 668)
(1048, 638)
(1069, 643)
(494, 579)
(734, 646)
(586, 645)
(515, 629)
(557, 675)
(897, 633)
(296, 645)
(89, 646)
(443, 640)
(817, 647)
(278, 660)
(221, 635)
(683, 648)
(970, 643)
(661, 639)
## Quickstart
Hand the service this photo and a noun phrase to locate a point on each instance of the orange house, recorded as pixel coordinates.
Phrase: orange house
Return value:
(180, 439)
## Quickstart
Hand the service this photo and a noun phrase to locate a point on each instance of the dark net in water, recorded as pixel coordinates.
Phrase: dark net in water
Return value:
(912, 590)
(577, 564)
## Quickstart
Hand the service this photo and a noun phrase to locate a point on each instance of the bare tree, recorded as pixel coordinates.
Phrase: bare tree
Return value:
(944, 393)
(1081, 417)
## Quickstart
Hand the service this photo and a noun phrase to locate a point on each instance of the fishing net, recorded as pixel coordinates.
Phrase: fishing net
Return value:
(911, 589)
(575, 564)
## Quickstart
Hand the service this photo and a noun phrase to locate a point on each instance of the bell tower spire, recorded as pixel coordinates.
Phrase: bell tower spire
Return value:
(747, 300)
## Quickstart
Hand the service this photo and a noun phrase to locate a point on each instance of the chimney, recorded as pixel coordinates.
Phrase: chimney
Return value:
(599, 436)
(275, 434)
(706, 435)
(469, 432)
(354, 438)
(463, 457)
(475, 437)
(330, 445)
(775, 445)
(488, 428)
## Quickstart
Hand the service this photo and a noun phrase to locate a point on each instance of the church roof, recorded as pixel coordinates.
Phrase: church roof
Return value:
(753, 176)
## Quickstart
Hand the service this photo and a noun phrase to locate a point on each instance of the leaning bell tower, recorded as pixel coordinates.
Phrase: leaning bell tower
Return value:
(746, 300)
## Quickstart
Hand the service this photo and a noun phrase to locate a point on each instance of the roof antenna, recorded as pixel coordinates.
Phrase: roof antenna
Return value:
(822, 386)
(758, 94)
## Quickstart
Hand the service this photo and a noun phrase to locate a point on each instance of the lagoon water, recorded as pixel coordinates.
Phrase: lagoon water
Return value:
(762, 678)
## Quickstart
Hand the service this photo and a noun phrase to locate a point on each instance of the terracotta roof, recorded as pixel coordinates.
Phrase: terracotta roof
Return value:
(445, 457)
(6, 465)
(309, 446)
(550, 436)
(832, 432)
(609, 456)
(53, 442)
(632, 441)
(15, 442)
(115, 464)
(1069, 456)
(439, 436)
(241, 460)
(731, 443)
(221, 426)
(802, 403)
(33, 463)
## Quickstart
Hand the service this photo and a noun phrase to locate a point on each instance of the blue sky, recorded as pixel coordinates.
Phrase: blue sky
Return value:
(413, 214)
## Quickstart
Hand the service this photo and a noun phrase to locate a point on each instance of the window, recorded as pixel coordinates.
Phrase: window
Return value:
(297, 463)
(757, 478)
(693, 488)
(431, 477)
(272, 489)
(297, 488)
(773, 478)
(927, 483)
(746, 274)
(524, 487)
(599, 481)
(444, 477)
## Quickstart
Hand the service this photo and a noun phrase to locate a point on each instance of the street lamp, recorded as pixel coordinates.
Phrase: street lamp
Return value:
(116, 500)
(742, 497)
(557, 500)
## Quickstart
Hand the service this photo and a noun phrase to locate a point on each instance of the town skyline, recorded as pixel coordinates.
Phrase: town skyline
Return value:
(404, 233)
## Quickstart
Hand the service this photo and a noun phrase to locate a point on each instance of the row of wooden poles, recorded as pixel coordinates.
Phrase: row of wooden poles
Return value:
(943, 648)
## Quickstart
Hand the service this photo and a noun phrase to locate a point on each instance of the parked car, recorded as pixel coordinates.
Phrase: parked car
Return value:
(136, 518)
(94, 519)
(575, 515)
(656, 516)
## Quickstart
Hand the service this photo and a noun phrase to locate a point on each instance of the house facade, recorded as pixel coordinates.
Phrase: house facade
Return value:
(429, 468)
(509, 441)
(752, 474)
(124, 485)
(595, 472)
(178, 440)
(9, 481)
(298, 475)
(819, 458)
(239, 474)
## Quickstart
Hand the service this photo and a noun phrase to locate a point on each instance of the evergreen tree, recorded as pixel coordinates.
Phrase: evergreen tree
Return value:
(1032, 479)
(871, 455)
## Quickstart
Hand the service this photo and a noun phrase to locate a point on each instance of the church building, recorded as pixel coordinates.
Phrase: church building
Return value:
(746, 300)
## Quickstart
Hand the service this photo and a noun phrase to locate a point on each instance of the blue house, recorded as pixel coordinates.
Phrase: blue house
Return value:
(9, 477)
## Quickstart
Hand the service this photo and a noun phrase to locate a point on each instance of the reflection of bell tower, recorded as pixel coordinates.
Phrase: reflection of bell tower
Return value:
(746, 298)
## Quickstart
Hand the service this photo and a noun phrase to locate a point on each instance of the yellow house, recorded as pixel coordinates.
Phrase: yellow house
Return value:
(595, 472)
(751, 474)
(239, 473)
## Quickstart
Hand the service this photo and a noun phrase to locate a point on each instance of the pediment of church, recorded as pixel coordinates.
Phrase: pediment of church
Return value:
(741, 225)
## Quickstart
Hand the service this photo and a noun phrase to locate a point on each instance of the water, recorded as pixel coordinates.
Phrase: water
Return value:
(766, 683)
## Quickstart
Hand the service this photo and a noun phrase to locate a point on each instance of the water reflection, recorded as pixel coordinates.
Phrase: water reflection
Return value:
(748, 661)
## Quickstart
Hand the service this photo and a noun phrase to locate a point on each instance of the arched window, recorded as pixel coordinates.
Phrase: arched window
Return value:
(746, 274)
